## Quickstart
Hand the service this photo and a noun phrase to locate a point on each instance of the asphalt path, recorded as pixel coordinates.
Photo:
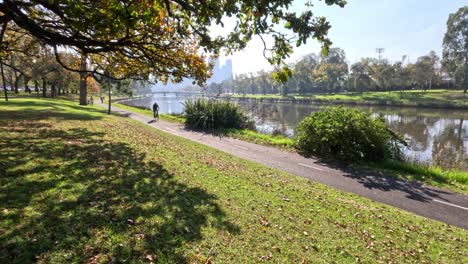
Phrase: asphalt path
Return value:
(430, 202)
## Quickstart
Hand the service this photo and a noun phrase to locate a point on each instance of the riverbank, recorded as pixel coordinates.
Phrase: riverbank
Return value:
(451, 99)
(454, 180)
(78, 185)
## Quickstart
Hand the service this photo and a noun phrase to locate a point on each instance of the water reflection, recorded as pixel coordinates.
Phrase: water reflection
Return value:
(169, 103)
(436, 136)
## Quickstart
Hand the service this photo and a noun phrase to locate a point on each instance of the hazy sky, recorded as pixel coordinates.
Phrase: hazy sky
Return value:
(402, 27)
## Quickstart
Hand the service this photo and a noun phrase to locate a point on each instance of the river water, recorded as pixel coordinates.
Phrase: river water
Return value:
(435, 136)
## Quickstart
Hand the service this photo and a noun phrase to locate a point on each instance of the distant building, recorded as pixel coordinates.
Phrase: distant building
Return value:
(221, 72)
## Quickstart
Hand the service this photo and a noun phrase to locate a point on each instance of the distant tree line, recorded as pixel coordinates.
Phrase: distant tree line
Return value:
(332, 73)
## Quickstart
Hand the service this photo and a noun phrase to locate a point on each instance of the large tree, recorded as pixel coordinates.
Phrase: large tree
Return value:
(164, 38)
(455, 47)
(332, 70)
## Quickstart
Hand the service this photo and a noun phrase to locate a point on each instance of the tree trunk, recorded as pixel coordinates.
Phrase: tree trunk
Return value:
(36, 87)
(110, 92)
(53, 90)
(83, 77)
(44, 88)
(26, 86)
(17, 78)
(465, 79)
(3, 80)
(2, 33)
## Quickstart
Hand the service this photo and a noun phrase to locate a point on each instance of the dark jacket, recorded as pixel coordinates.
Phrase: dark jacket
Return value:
(155, 107)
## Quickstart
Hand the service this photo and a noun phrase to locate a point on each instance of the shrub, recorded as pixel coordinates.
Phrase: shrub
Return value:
(212, 114)
(347, 134)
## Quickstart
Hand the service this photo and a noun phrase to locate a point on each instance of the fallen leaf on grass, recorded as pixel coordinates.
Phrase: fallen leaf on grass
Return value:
(264, 221)
(151, 258)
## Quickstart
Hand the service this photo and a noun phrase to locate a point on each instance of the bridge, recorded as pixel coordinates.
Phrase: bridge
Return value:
(178, 93)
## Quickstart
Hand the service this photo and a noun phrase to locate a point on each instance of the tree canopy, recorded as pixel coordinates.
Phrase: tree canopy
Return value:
(455, 47)
(168, 38)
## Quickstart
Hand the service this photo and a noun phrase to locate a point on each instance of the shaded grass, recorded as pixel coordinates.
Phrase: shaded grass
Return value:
(107, 189)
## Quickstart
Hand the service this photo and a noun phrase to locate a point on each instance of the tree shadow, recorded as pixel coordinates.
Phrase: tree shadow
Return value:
(75, 197)
(384, 181)
(59, 114)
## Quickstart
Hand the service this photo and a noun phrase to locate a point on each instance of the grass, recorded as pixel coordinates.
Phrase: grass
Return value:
(432, 175)
(77, 185)
(431, 98)
(450, 179)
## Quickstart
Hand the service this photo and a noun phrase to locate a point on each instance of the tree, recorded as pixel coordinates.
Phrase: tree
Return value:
(301, 87)
(455, 47)
(424, 71)
(332, 70)
(360, 76)
(303, 72)
(163, 39)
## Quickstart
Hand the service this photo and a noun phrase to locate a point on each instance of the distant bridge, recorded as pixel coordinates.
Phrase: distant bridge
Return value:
(178, 93)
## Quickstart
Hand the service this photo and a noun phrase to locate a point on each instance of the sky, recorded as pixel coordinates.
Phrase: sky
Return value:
(402, 27)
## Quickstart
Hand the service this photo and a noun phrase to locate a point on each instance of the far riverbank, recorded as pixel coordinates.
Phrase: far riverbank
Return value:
(448, 99)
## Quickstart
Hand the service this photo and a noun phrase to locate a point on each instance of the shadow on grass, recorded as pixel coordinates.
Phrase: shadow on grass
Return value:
(31, 105)
(70, 196)
(372, 178)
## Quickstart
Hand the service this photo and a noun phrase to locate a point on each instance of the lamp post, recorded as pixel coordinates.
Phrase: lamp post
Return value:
(110, 93)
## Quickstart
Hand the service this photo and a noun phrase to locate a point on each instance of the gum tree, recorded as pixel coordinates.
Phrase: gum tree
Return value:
(455, 47)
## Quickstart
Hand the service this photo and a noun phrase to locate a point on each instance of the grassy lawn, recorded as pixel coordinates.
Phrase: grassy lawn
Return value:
(77, 185)
(432, 98)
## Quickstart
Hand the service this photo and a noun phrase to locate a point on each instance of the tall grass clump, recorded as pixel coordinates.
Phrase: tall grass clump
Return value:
(212, 114)
(347, 134)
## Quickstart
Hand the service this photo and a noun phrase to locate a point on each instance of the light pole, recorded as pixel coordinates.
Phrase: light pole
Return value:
(110, 94)
(380, 51)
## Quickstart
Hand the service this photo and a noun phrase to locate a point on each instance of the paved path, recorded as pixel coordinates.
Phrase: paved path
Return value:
(426, 201)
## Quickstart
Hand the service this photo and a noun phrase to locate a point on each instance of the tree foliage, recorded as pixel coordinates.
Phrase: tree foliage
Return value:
(346, 134)
(455, 47)
(164, 39)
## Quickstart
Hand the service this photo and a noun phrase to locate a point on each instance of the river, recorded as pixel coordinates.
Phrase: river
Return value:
(435, 136)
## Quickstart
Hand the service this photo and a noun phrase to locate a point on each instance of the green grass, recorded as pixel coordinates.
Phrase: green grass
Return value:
(431, 98)
(450, 179)
(77, 185)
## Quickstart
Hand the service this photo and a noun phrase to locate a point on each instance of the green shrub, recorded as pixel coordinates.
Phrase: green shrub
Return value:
(212, 114)
(347, 134)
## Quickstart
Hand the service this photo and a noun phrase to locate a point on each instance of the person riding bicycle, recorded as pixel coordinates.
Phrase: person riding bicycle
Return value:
(155, 110)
